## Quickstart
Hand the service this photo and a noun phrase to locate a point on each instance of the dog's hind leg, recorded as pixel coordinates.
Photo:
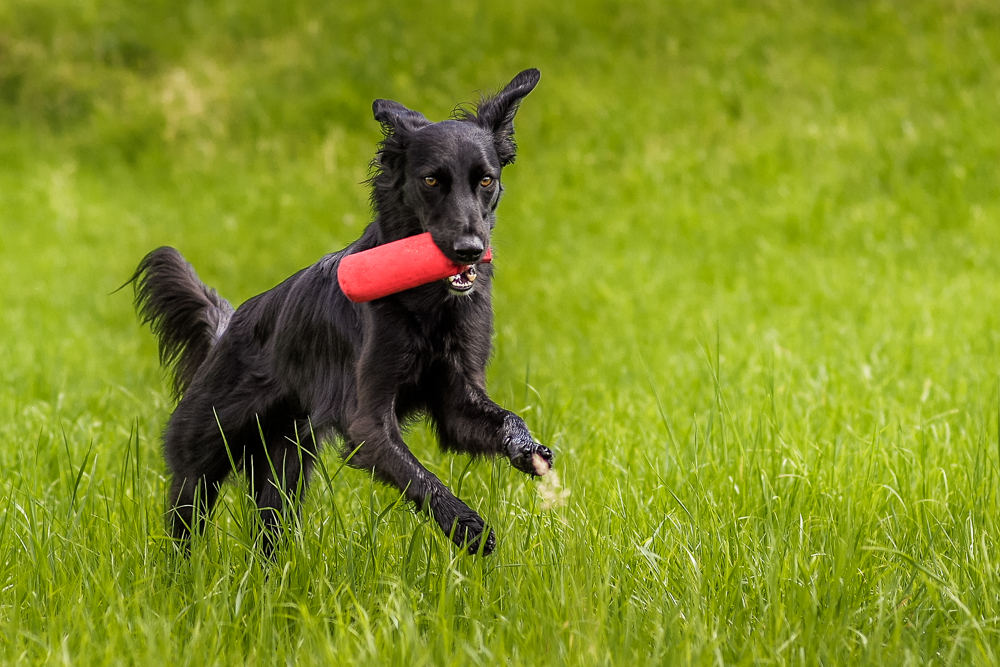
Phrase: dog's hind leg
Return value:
(199, 458)
(195, 488)
(191, 499)
(278, 466)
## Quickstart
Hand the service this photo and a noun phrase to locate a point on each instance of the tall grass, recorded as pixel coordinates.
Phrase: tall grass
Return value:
(747, 288)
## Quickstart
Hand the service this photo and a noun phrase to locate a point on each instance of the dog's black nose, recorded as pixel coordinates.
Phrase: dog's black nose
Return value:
(469, 249)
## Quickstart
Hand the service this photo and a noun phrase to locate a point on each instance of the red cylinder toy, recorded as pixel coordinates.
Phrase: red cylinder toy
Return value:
(394, 267)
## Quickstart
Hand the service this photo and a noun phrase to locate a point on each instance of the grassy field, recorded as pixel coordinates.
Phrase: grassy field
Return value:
(748, 288)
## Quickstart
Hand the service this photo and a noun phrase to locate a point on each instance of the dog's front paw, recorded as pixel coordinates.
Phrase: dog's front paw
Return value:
(535, 460)
(530, 457)
(461, 523)
(467, 532)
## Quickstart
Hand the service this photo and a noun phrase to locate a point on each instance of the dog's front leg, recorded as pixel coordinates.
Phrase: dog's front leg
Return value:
(469, 421)
(383, 451)
(374, 432)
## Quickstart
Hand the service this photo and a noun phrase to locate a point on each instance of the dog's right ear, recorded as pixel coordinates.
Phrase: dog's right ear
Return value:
(396, 119)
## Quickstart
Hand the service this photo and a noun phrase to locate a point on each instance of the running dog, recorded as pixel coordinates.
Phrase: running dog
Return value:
(262, 386)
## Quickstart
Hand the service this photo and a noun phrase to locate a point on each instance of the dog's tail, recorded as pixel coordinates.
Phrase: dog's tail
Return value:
(187, 316)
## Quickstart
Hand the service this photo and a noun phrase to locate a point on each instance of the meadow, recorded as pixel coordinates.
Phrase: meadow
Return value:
(748, 288)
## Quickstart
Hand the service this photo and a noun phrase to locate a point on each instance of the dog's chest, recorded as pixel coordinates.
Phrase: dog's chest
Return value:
(442, 341)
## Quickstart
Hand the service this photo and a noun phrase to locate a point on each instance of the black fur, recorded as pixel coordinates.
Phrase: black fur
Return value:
(262, 386)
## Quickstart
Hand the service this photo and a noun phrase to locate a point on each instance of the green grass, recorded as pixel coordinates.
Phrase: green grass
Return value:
(748, 288)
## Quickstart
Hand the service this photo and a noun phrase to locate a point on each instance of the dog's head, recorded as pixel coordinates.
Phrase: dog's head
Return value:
(447, 175)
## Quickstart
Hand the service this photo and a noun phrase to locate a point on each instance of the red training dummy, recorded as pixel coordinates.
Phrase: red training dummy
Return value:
(401, 265)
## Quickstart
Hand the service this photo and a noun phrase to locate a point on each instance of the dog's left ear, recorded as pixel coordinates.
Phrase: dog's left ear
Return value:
(496, 114)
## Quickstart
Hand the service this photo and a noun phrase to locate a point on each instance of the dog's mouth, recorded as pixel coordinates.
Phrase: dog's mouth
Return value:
(460, 283)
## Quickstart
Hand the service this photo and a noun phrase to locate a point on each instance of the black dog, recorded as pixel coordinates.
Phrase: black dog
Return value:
(263, 385)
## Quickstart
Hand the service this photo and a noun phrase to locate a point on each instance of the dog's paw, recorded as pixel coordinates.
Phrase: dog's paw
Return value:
(461, 523)
(530, 457)
(468, 531)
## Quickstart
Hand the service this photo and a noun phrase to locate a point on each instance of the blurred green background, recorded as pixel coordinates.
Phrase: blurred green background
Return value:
(747, 288)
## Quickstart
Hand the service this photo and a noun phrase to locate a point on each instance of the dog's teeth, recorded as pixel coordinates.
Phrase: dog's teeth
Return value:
(462, 282)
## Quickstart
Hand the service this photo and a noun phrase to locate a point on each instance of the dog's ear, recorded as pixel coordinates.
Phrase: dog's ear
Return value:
(395, 118)
(496, 113)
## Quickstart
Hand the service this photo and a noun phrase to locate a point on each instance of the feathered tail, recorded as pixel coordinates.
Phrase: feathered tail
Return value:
(187, 316)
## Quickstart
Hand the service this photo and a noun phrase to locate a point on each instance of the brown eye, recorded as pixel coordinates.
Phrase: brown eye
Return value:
(486, 181)
(430, 180)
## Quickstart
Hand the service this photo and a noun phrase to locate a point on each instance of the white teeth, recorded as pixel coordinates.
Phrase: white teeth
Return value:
(462, 282)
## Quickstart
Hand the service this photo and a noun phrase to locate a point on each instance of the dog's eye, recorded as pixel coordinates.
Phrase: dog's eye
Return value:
(430, 180)
(486, 181)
